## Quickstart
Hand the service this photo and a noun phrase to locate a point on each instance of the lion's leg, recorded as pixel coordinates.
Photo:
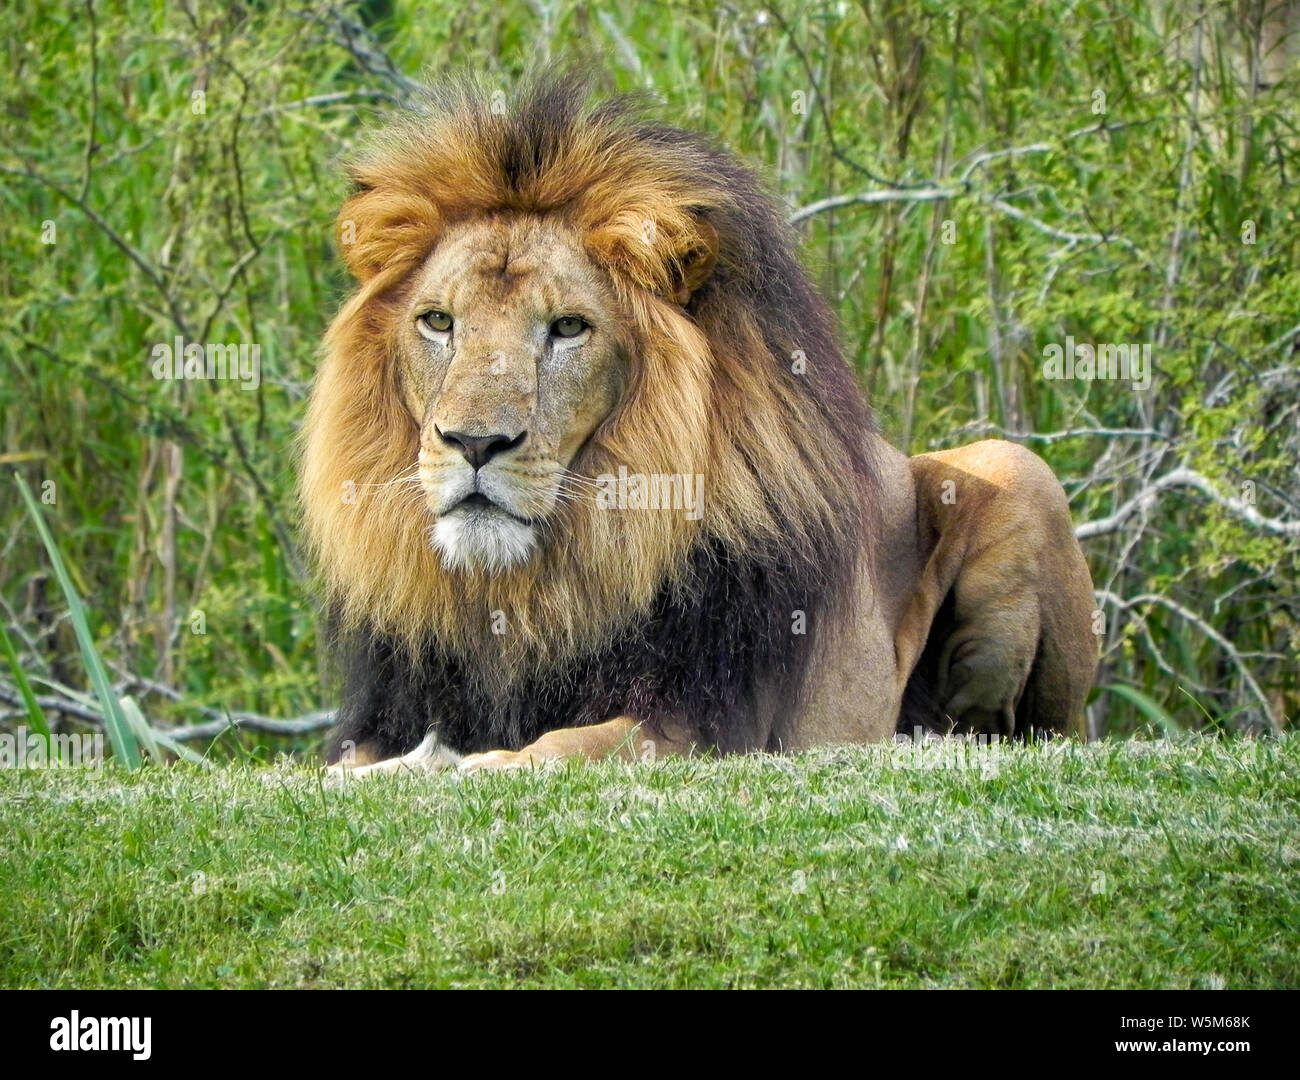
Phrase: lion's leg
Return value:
(982, 676)
(429, 756)
(352, 757)
(1017, 652)
(622, 737)
(914, 628)
(986, 659)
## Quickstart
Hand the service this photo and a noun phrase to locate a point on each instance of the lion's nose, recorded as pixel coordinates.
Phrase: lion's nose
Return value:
(478, 450)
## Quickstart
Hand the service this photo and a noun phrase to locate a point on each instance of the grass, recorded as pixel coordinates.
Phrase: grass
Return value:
(1124, 864)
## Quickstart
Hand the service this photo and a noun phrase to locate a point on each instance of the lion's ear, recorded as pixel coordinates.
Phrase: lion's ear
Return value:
(356, 256)
(696, 262)
(378, 228)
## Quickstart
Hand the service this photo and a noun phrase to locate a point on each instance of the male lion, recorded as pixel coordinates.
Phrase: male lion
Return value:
(585, 473)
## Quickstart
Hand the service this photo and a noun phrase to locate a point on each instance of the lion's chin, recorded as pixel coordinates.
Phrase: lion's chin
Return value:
(480, 538)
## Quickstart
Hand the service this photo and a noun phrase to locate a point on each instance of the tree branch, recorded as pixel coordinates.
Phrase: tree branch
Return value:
(1205, 628)
(1186, 478)
(884, 195)
(308, 724)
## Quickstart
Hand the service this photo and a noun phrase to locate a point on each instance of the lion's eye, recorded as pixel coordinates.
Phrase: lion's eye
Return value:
(434, 322)
(568, 326)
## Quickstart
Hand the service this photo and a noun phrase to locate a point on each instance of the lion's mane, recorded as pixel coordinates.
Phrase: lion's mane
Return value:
(643, 614)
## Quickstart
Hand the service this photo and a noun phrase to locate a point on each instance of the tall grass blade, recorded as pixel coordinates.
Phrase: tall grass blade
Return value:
(1145, 705)
(126, 747)
(34, 712)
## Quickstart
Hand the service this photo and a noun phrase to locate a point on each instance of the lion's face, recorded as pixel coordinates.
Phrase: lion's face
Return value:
(511, 353)
(548, 299)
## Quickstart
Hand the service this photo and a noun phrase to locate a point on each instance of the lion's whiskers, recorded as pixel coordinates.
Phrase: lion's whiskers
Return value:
(406, 476)
(568, 477)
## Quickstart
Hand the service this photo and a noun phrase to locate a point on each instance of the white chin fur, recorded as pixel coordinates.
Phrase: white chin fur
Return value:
(481, 539)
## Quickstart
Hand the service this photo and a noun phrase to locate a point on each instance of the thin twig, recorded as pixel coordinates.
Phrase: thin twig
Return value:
(94, 100)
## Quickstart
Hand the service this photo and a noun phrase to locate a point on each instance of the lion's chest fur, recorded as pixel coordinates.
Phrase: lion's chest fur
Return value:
(717, 654)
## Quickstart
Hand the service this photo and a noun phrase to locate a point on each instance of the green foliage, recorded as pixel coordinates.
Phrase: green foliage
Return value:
(186, 157)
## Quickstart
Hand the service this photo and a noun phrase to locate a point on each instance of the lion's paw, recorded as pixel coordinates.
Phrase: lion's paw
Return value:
(338, 774)
(495, 760)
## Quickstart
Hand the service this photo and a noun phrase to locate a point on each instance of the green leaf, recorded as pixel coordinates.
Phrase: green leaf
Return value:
(1145, 705)
(140, 727)
(153, 740)
(34, 713)
(126, 748)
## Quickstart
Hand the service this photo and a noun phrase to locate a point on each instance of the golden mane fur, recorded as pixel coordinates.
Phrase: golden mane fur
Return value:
(713, 389)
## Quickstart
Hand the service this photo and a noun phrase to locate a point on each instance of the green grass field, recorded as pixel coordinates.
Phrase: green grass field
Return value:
(1123, 864)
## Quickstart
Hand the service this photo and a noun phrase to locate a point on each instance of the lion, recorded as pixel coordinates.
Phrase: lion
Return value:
(584, 472)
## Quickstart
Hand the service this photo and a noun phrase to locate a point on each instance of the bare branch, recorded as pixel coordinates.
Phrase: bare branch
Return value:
(1283, 339)
(1011, 151)
(307, 724)
(885, 195)
(1186, 478)
(320, 101)
(94, 101)
(1058, 436)
(1184, 181)
(1063, 235)
(930, 194)
(49, 703)
(1205, 628)
(357, 40)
